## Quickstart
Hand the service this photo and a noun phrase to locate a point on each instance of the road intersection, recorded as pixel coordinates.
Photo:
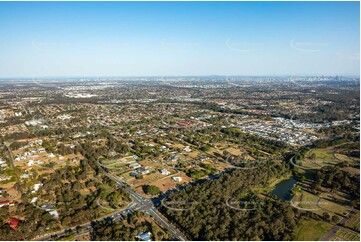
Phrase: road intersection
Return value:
(148, 206)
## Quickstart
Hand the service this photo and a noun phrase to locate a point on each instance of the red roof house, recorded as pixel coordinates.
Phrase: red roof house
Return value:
(6, 203)
(14, 222)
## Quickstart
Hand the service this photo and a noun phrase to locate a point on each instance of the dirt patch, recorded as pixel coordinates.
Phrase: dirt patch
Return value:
(167, 183)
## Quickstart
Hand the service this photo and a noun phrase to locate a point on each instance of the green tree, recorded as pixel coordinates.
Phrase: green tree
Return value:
(151, 189)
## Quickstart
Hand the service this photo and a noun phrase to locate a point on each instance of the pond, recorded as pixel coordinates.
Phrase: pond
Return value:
(283, 189)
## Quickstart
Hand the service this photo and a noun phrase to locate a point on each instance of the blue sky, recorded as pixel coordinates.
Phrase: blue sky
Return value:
(178, 38)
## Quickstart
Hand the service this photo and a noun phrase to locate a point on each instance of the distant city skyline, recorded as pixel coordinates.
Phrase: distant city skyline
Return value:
(140, 39)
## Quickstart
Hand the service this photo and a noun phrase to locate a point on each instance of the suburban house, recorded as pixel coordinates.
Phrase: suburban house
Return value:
(54, 213)
(143, 170)
(164, 172)
(145, 236)
(134, 173)
(134, 165)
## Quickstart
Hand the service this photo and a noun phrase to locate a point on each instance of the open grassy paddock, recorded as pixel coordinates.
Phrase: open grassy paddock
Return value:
(333, 208)
(311, 229)
(305, 200)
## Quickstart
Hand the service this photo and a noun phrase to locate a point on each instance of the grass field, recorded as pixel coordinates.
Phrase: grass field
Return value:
(316, 164)
(311, 229)
(322, 154)
(113, 164)
(347, 235)
(307, 200)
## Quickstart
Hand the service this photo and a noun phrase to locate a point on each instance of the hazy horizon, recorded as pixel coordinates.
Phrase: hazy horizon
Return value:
(177, 76)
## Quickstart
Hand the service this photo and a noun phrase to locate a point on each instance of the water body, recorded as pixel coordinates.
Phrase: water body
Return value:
(283, 189)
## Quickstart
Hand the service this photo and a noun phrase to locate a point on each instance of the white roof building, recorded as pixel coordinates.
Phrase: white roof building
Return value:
(36, 187)
(134, 165)
(164, 172)
(177, 178)
(54, 213)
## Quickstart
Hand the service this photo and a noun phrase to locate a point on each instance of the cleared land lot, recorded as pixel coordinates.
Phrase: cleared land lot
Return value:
(166, 183)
